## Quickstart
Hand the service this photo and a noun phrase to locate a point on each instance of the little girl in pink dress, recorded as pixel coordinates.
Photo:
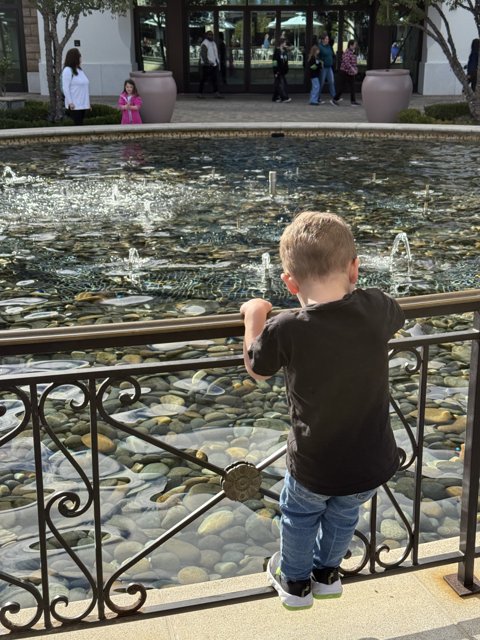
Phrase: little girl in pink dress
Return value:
(130, 104)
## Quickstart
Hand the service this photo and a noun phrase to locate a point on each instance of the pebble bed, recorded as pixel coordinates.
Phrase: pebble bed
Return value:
(219, 416)
(167, 263)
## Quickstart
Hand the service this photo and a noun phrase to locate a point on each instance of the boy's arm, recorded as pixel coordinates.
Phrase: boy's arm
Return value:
(255, 314)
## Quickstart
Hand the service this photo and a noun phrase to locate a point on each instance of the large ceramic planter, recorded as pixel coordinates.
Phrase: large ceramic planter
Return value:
(158, 92)
(385, 92)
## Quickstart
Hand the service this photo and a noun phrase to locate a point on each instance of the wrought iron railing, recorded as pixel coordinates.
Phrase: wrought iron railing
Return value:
(74, 510)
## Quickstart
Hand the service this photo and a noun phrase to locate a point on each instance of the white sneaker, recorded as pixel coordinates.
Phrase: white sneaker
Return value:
(326, 583)
(294, 595)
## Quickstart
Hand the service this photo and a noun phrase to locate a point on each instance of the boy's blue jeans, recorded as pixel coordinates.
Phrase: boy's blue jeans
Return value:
(316, 530)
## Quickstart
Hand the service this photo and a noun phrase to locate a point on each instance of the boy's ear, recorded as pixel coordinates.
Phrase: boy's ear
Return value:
(290, 283)
(353, 271)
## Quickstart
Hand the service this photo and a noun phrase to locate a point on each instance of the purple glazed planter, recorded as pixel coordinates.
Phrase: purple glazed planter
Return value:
(385, 92)
(158, 92)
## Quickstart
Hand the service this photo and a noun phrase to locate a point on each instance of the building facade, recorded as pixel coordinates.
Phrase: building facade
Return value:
(166, 34)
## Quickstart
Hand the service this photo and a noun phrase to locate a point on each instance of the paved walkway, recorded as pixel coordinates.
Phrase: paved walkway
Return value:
(260, 108)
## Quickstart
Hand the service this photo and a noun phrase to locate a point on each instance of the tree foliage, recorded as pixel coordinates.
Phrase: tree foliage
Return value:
(60, 20)
(433, 18)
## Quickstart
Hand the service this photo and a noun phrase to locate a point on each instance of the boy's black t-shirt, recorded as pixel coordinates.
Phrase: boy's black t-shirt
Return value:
(335, 358)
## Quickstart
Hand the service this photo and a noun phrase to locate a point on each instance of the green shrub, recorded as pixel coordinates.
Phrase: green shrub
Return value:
(113, 116)
(448, 112)
(38, 105)
(35, 114)
(414, 116)
(102, 110)
(18, 123)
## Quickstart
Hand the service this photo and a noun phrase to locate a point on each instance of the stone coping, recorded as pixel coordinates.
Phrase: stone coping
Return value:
(461, 133)
(223, 591)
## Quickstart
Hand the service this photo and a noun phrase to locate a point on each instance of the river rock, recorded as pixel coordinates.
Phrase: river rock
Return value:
(105, 444)
(258, 527)
(234, 534)
(392, 529)
(226, 569)
(173, 515)
(126, 549)
(431, 509)
(433, 489)
(186, 552)
(458, 426)
(209, 558)
(164, 561)
(435, 416)
(462, 352)
(192, 575)
(216, 522)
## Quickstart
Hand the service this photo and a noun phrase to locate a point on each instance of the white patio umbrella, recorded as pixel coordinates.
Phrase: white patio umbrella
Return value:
(296, 23)
(224, 24)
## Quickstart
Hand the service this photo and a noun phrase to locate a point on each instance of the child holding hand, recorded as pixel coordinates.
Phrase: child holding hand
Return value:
(130, 103)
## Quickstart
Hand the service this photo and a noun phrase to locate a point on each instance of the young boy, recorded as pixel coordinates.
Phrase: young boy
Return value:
(335, 357)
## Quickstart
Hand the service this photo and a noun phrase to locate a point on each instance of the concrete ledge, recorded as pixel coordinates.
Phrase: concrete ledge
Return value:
(239, 129)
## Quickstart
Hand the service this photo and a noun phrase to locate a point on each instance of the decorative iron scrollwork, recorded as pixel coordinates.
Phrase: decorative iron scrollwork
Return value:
(242, 480)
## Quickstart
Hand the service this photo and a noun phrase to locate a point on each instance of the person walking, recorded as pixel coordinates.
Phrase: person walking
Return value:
(326, 73)
(334, 354)
(75, 87)
(472, 65)
(314, 67)
(222, 57)
(209, 65)
(348, 71)
(280, 70)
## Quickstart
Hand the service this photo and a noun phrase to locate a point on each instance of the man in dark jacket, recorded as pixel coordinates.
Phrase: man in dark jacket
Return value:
(280, 70)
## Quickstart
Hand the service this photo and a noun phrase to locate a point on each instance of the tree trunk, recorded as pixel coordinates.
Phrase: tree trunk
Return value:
(53, 59)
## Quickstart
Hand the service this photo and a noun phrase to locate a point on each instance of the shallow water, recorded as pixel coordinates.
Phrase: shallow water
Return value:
(123, 231)
(163, 222)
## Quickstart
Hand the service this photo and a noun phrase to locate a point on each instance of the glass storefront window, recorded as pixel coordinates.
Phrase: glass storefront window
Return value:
(327, 22)
(250, 3)
(152, 40)
(231, 29)
(262, 30)
(279, 2)
(198, 23)
(355, 27)
(10, 44)
(216, 3)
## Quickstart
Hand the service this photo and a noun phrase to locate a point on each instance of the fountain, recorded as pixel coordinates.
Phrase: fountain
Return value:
(106, 235)
(169, 230)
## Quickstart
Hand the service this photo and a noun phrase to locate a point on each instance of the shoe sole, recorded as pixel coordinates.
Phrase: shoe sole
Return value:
(272, 568)
(329, 591)
(327, 596)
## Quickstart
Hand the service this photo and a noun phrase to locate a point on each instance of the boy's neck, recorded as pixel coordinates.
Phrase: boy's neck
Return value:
(322, 291)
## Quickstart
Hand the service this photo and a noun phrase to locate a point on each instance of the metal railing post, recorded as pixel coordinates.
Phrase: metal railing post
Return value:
(464, 581)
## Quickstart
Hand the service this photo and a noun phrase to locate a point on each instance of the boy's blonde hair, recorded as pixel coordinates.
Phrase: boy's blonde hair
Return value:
(315, 245)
